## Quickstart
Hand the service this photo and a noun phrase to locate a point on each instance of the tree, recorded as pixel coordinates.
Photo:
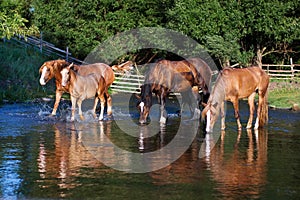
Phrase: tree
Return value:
(12, 22)
(238, 31)
(83, 24)
(270, 26)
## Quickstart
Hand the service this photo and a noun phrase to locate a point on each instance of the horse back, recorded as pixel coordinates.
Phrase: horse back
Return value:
(98, 68)
(243, 82)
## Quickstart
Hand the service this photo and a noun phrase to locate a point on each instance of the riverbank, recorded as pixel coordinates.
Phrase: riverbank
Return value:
(284, 95)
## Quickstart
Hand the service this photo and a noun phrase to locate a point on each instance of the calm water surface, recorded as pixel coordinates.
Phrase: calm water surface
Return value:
(45, 158)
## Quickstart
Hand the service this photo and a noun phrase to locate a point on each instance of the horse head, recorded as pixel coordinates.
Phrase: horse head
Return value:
(65, 75)
(211, 112)
(145, 103)
(51, 69)
(124, 67)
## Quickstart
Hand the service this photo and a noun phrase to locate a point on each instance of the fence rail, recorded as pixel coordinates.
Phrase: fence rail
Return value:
(129, 83)
(46, 48)
(283, 72)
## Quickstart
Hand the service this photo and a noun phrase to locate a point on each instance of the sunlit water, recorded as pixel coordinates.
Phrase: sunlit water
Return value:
(42, 157)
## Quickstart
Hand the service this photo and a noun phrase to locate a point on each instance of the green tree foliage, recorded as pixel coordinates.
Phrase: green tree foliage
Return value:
(231, 31)
(83, 24)
(12, 21)
(237, 30)
(270, 26)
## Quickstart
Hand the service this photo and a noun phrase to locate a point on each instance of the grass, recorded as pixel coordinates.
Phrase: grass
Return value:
(19, 75)
(284, 94)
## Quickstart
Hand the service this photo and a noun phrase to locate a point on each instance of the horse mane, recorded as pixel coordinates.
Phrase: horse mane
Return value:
(217, 95)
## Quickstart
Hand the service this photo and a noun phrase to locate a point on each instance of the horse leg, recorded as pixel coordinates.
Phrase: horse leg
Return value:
(163, 113)
(235, 103)
(109, 103)
(73, 100)
(196, 95)
(259, 109)
(222, 110)
(102, 102)
(95, 106)
(79, 102)
(58, 95)
(251, 109)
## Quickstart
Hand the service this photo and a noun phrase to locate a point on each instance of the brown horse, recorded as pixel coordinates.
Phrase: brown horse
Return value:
(235, 84)
(171, 76)
(52, 69)
(84, 87)
(124, 67)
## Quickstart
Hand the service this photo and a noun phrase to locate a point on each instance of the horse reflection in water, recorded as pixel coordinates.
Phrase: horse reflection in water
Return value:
(241, 173)
(65, 162)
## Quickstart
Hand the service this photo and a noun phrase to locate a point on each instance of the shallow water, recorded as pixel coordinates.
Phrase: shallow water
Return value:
(42, 157)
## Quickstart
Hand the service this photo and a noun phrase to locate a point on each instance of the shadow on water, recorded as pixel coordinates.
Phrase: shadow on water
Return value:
(44, 157)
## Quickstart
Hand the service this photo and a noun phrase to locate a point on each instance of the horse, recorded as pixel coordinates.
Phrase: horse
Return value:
(171, 76)
(84, 87)
(232, 85)
(124, 67)
(51, 69)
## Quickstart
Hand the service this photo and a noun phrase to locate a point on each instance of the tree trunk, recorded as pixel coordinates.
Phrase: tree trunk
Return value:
(259, 55)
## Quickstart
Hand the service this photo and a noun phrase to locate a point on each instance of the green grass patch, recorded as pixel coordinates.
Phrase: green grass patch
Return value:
(19, 74)
(284, 97)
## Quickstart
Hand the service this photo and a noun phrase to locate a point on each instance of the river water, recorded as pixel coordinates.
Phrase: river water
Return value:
(52, 158)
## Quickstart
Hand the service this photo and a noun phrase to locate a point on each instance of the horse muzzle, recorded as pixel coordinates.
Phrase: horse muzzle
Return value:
(42, 81)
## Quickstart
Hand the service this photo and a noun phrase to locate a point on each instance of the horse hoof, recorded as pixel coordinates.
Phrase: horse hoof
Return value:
(81, 117)
(163, 120)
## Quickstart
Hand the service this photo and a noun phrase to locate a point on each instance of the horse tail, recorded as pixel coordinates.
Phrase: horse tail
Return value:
(263, 115)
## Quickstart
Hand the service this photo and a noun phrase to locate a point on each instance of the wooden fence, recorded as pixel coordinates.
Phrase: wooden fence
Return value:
(129, 83)
(283, 72)
(46, 48)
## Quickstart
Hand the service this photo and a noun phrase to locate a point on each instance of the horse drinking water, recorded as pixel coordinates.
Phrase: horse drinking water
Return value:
(232, 85)
(84, 87)
(51, 69)
(171, 76)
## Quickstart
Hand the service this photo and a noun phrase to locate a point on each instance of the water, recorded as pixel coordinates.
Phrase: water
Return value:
(42, 157)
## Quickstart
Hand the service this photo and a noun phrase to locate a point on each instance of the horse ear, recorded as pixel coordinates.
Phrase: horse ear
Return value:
(215, 105)
(203, 104)
(70, 66)
(138, 96)
(204, 111)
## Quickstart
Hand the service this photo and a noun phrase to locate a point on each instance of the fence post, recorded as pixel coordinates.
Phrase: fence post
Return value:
(292, 68)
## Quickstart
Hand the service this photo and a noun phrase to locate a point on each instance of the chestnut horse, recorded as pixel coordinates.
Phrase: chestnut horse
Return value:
(171, 76)
(124, 67)
(52, 69)
(84, 87)
(232, 85)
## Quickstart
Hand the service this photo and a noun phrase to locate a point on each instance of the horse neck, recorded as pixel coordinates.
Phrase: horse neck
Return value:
(146, 94)
(73, 77)
(218, 93)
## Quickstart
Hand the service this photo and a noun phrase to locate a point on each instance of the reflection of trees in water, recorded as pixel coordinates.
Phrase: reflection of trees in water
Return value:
(240, 172)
